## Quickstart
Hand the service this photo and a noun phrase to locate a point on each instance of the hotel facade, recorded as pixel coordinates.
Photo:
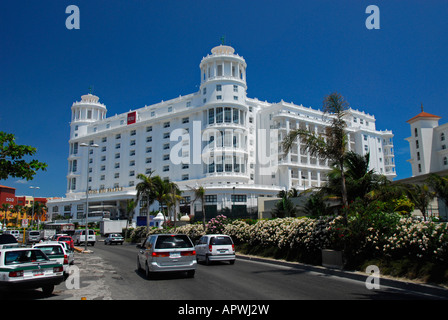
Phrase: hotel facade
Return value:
(216, 137)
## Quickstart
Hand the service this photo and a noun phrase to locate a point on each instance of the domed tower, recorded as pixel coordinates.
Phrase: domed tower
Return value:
(223, 92)
(84, 113)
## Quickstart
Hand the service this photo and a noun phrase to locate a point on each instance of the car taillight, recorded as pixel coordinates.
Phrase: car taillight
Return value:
(210, 247)
(233, 247)
(15, 274)
(58, 269)
(188, 253)
(160, 254)
(65, 259)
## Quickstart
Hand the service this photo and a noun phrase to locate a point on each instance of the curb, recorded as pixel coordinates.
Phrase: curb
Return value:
(437, 292)
(82, 250)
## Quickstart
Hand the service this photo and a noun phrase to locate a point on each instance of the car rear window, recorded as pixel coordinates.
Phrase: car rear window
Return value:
(52, 250)
(24, 256)
(221, 240)
(64, 239)
(173, 242)
(34, 233)
(7, 238)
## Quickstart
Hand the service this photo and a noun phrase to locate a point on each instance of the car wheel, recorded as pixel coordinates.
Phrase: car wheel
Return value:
(147, 272)
(232, 261)
(207, 261)
(139, 268)
(190, 273)
(48, 290)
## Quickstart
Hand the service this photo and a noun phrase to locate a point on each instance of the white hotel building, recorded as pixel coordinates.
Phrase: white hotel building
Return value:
(216, 137)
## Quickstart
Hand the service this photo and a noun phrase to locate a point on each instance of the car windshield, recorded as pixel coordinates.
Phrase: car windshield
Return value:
(24, 256)
(220, 240)
(52, 250)
(64, 239)
(34, 233)
(173, 241)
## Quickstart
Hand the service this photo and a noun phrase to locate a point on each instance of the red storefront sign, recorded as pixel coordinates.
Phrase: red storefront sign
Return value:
(132, 117)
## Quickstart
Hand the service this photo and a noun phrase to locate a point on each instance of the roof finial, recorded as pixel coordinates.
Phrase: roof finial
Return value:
(223, 40)
(422, 106)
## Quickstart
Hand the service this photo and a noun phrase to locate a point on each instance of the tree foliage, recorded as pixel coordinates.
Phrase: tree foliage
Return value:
(12, 163)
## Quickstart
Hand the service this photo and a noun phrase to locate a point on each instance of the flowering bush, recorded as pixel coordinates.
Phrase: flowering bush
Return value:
(216, 225)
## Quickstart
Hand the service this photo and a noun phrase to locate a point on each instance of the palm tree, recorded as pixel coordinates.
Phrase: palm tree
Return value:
(4, 208)
(332, 143)
(39, 210)
(130, 210)
(145, 190)
(421, 196)
(440, 186)
(173, 198)
(199, 194)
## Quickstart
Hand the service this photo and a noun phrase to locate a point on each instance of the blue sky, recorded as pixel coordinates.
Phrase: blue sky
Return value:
(139, 52)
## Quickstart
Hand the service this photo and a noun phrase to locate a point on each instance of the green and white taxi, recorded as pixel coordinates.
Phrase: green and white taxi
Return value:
(29, 268)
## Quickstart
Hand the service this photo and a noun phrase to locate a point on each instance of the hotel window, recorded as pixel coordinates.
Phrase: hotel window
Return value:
(117, 146)
(185, 120)
(166, 157)
(235, 116)
(132, 143)
(103, 158)
(416, 144)
(235, 88)
(211, 198)
(185, 177)
(118, 136)
(166, 135)
(117, 165)
(415, 132)
(188, 104)
(239, 198)
(131, 173)
(218, 87)
(185, 166)
(149, 129)
(219, 97)
(132, 163)
(133, 133)
(170, 109)
(153, 113)
(219, 70)
(204, 91)
(218, 115)
(166, 168)
(103, 149)
(149, 149)
(104, 139)
(211, 116)
(148, 171)
(235, 98)
(149, 139)
(166, 124)
(442, 136)
(445, 161)
(166, 146)
(148, 160)
(117, 175)
(103, 168)
(103, 177)
(227, 115)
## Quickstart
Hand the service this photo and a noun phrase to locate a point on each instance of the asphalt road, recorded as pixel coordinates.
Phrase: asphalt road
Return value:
(110, 273)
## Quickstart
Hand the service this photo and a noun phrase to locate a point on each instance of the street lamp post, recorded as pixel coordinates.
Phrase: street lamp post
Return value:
(34, 202)
(87, 189)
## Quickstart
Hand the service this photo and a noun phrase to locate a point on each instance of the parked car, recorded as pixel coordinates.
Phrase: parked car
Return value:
(215, 247)
(167, 253)
(66, 239)
(55, 251)
(15, 233)
(32, 236)
(29, 268)
(114, 238)
(70, 253)
(8, 241)
(79, 237)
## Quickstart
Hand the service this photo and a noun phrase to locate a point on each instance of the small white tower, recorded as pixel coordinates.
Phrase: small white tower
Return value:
(421, 142)
(84, 113)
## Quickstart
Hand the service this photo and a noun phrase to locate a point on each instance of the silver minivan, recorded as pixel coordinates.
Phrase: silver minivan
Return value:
(167, 253)
(215, 247)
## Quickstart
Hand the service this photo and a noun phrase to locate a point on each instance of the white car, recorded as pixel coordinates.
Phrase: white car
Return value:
(55, 251)
(29, 268)
(215, 247)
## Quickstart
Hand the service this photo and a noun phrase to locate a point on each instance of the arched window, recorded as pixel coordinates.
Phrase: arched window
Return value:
(415, 132)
